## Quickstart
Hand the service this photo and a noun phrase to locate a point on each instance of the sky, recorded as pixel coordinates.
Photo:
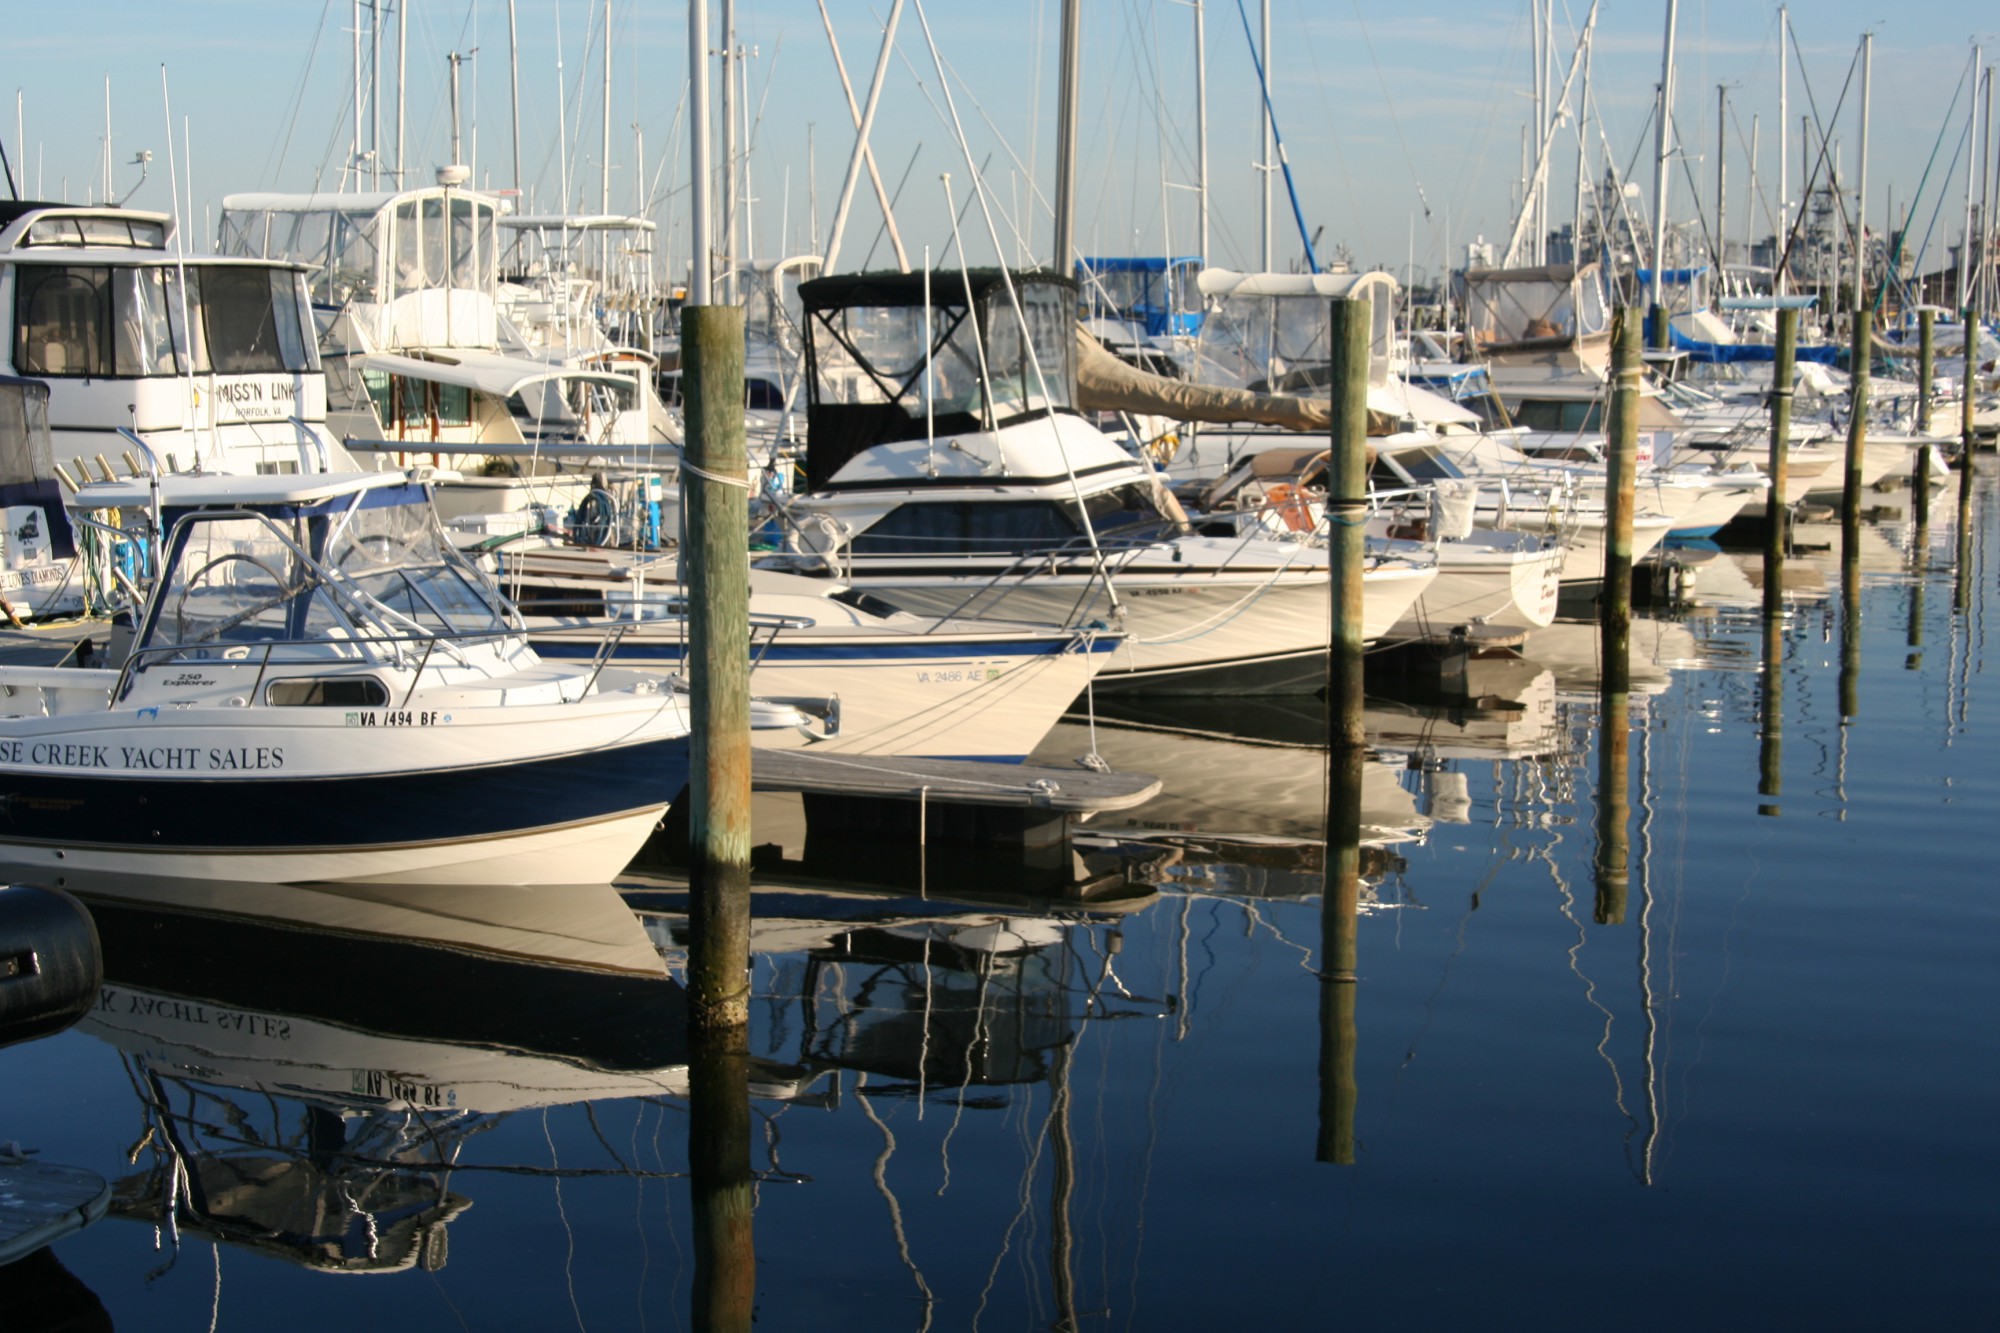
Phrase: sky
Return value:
(1403, 124)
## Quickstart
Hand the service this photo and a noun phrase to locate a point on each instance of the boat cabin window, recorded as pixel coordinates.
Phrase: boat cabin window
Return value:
(1420, 464)
(979, 527)
(123, 233)
(403, 403)
(1558, 415)
(760, 395)
(112, 321)
(327, 692)
(316, 584)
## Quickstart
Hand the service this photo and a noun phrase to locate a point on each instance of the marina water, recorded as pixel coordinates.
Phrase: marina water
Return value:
(1755, 1089)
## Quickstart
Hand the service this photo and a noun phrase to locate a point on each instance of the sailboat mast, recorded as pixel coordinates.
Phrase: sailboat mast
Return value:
(1064, 256)
(1861, 181)
(1200, 120)
(1663, 145)
(729, 150)
(604, 190)
(1721, 176)
(402, 84)
(1965, 245)
(1784, 146)
(375, 95)
(514, 79)
(700, 290)
(1266, 167)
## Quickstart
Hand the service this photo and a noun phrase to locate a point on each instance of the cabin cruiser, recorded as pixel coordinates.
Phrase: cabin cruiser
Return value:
(319, 687)
(422, 364)
(883, 681)
(948, 471)
(211, 361)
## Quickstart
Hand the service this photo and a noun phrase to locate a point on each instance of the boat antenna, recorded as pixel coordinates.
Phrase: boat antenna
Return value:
(1277, 139)
(1020, 315)
(180, 274)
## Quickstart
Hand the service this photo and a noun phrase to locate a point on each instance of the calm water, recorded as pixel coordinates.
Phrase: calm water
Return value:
(1760, 1094)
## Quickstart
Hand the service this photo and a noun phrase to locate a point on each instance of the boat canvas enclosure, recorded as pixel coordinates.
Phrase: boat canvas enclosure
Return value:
(1553, 307)
(903, 356)
(30, 503)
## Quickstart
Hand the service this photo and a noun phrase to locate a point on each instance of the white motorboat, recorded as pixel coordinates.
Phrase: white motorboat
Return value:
(884, 681)
(948, 472)
(320, 687)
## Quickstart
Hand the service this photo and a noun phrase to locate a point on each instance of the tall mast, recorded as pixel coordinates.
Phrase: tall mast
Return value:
(1200, 120)
(604, 194)
(402, 84)
(1985, 194)
(1064, 256)
(1965, 245)
(375, 95)
(354, 144)
(729, 150)
(700, 290)
(1721, 176)
(1663, 143)
(1784, 145)
(1861, 181)
(1266, 167)
(514, 81)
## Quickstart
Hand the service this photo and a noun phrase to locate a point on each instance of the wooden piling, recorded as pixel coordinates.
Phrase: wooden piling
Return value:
(1771, 707)
(1347, 513)
(1614, 608)
(1611, 862)
(1771, 710)
(1926, 366)
(722, 1189)
(716, 567)
(1777, 514)
(1860, 351)
(1347, 516)
(1962, 585)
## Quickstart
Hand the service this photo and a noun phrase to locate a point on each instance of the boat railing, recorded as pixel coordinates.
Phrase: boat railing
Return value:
(340, 650)
(764, 627)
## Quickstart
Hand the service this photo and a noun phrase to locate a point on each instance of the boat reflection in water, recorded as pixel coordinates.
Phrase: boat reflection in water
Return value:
(311, 1059)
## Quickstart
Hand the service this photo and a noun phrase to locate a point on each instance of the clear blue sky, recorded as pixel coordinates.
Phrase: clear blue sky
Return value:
(1384, 109)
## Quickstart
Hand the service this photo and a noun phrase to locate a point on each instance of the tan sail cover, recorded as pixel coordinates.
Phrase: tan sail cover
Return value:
(1106, 384)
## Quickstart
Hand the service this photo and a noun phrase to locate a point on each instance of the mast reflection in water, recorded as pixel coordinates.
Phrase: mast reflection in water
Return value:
(1111, 1098)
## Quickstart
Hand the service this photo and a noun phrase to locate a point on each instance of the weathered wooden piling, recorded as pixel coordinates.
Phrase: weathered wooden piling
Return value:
(1777, 514)
(1926, 366)
(1347, 515)
(1611, 863)
(1771, 706)
(1621, 466)
(1771, 709)
(1961, 598)
(1850, 626)
(721, 1186)
(1860, 350)
(717, 571)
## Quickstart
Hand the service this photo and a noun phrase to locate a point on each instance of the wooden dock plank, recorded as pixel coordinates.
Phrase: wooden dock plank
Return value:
(951, 781)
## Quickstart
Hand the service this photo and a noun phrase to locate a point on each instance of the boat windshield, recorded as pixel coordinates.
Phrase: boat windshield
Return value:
(129, 322)
(238, 578)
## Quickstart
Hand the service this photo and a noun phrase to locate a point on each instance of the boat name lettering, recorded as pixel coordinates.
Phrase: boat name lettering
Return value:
(185, 679)
(55, 754)
(397, 718)
(241, 393)
(1156, 592)
(113, 1001)
(974, 674)
(247, 757)
(164, 758)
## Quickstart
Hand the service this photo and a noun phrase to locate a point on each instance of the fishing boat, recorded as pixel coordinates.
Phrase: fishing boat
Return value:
(948, 471)
(882, 680)
(320, 687)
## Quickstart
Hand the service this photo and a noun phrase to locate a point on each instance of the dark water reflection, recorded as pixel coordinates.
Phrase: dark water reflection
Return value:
(1728, 1059)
